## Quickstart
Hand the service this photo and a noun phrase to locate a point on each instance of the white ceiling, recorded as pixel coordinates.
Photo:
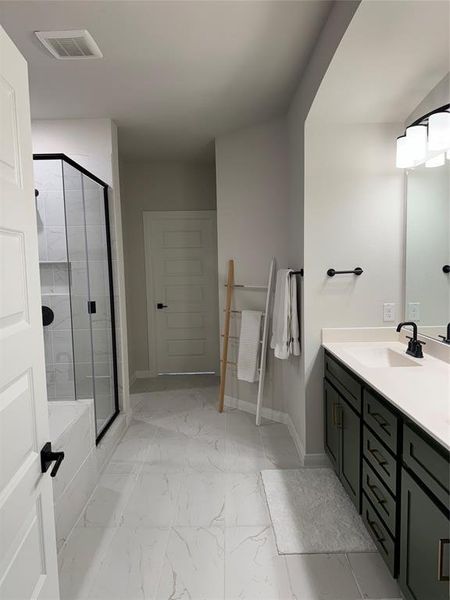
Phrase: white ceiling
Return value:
(390, 58)
(175, 74)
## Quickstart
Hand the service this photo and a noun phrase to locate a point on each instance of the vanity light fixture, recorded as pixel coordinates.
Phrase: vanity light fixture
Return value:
(416, 140)
(439, 131)
(427, 140)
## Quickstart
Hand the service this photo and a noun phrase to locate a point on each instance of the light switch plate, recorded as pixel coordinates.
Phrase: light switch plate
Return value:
(388, 312)
(414, 311)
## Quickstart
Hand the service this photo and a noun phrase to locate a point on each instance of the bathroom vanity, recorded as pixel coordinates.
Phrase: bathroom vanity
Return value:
(387, 426)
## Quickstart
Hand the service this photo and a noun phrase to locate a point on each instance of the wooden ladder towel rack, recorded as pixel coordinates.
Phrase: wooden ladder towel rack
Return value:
(226, 334)
(230, 285)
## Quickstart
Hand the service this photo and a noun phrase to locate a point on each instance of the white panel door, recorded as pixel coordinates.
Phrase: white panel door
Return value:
(28, 566)
(181, 263)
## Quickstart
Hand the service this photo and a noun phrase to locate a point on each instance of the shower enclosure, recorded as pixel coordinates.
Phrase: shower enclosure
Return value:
(76, 285)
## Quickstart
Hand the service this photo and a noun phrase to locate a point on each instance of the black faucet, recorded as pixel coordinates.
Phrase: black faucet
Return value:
(446, 339)
(414, 345)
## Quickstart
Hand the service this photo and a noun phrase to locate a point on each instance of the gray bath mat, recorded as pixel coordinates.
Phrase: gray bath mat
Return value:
(312, 514)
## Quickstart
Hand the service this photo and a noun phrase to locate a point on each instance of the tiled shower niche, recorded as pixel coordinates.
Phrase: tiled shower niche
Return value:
(76, 285)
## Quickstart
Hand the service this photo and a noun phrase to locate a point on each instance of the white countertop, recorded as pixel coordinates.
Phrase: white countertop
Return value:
(422, 393)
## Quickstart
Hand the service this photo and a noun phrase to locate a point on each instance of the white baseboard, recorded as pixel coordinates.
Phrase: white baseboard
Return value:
(132, 379)
(296, 438)
(141, 375)
(249, 407)
(306, 459)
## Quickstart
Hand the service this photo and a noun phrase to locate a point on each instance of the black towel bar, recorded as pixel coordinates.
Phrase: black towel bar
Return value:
(297, 273)
(356, 271)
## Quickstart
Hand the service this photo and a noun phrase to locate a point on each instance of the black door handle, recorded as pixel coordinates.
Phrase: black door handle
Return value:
(160, 305)
(48, 456)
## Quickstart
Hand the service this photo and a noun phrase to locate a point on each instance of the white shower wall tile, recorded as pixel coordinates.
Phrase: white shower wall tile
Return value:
(42, 244)
(62, 346)
(84, 379)
(54, 208)
(64, 381)
(46, 277)
(76, 242)
(82, 345)
(96, 243)
(48, 175)
(56, 243)
(61, 279)
(50, 380)
(48, 347)
(94, 207)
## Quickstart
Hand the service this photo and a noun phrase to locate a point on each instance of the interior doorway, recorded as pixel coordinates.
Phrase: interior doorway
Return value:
(182, 292)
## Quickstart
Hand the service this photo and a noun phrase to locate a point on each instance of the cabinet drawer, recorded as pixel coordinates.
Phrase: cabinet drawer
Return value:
(380, 419)
(430, 466)
(380, 534)
(345, 382)
(380, 459)
(381, 499)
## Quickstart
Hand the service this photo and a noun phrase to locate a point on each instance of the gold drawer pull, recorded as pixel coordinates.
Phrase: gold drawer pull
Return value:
(379, 419)
(374, 526)
(441, 545)
(376, 453)
(337, 415)
(373, 488)
(333, 413)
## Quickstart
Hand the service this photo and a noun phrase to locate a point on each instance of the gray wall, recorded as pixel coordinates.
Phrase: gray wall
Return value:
(321, 57)
(252, 227)
(154, 186)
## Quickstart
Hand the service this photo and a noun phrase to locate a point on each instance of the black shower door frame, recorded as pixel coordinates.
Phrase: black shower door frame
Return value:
(69, 161)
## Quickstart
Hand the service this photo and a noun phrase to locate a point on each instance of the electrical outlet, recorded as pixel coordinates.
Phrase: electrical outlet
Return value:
(414, 311)
(388, 312)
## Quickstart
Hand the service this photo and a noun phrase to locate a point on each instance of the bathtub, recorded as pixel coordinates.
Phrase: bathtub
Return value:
(72, 430)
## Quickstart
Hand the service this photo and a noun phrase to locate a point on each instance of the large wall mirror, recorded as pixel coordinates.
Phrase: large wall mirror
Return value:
(427, 282)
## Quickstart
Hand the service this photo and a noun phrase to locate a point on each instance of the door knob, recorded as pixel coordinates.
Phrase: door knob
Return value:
(48, 457)
(160, 305)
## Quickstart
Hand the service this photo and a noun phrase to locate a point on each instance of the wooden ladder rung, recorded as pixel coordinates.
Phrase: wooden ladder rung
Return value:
(238, 312)
(235, 337)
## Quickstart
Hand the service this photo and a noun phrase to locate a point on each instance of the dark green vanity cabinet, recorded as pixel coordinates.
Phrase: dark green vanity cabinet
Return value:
(425, 529)
(343, 437)
(397, 476)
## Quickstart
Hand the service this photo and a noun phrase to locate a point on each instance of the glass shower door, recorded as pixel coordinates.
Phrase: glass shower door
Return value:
(79, 282)
(100, 297)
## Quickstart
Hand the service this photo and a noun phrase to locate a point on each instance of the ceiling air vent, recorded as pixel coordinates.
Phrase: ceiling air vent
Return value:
(70, 45)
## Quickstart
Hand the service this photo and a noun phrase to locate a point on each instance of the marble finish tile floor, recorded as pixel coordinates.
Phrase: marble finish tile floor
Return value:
(180, 513)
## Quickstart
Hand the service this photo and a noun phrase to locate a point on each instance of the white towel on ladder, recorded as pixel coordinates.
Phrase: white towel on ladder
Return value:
(285, 325)
(249, 346)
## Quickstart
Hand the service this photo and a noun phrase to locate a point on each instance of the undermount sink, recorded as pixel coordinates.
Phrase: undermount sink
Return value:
(381, 357)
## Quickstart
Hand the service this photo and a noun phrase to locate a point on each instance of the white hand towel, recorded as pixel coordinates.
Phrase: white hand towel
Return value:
(249, 346)
(280, 340)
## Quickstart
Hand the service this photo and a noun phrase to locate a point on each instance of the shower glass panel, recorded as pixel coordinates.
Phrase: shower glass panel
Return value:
(79, 282)
(98, 250)
(77, 287)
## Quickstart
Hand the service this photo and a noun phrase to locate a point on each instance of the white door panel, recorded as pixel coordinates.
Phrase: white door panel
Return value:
(28, 567)
(181, 262)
